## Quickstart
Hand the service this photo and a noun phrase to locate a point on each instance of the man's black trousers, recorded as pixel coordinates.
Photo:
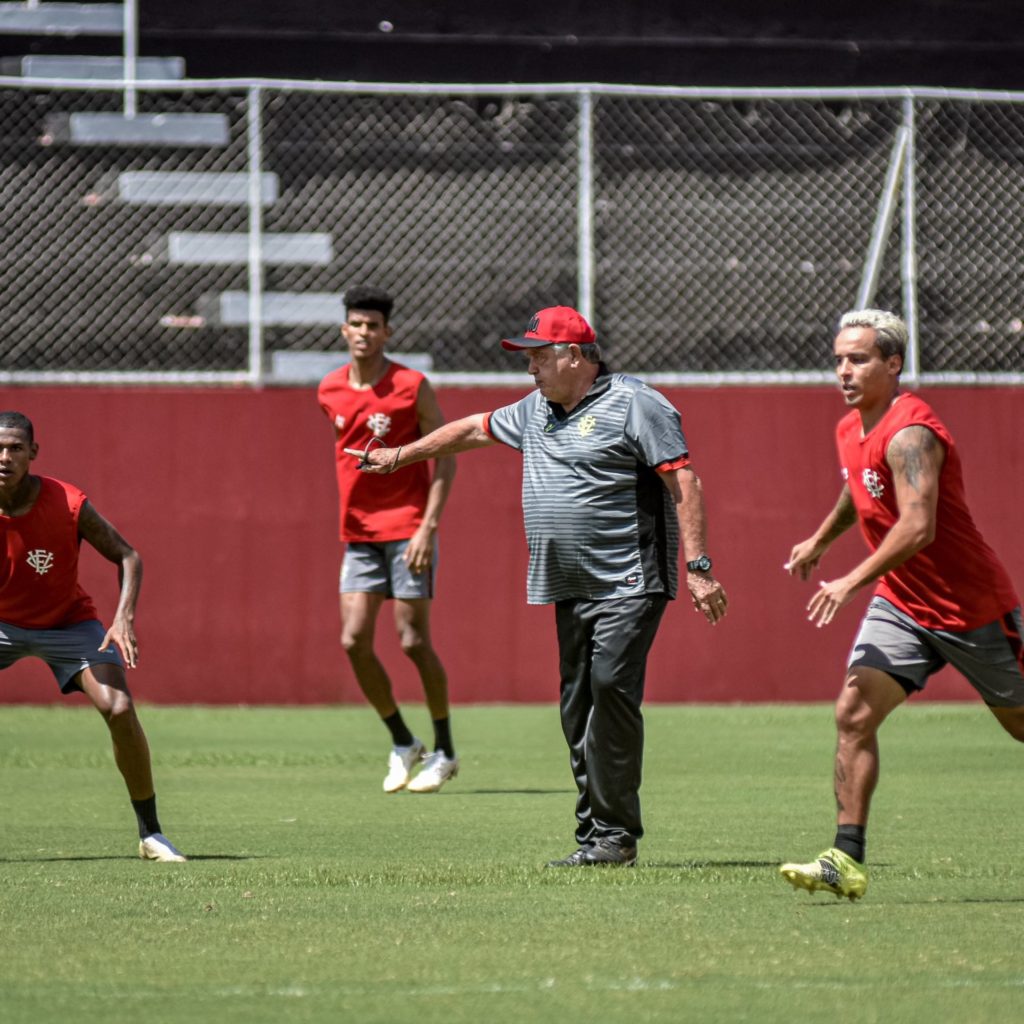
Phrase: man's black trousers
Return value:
(602, 651)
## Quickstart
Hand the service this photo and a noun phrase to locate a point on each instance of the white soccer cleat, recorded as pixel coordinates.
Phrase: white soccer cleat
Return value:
(401, 762)
(159, 847)
(436, 771)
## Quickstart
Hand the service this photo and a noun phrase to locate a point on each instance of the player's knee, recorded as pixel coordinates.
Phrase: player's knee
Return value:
(116, 707)
(865, 701)
(854, 718)
(413, 643)
(356, 644)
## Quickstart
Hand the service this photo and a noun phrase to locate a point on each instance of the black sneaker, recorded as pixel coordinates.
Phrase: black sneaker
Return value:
(603, 853)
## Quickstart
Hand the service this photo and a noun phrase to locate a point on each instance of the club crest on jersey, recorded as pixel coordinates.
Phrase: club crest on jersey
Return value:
(339, 421)
(40, 560)
(586, 425)
(379, 424)
(873, 483)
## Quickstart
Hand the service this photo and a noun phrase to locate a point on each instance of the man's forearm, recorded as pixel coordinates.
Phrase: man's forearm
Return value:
(130, 577)
(450, 439)
(838, 521)
(692, 516)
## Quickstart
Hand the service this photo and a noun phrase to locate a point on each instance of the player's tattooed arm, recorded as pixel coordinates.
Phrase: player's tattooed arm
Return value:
(806, 555)
(915, 456)
(843, 516)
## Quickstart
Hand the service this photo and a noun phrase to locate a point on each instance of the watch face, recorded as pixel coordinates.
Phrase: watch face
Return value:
(702, 564)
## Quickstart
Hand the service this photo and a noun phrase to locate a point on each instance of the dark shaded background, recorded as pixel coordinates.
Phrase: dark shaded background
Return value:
(953, 43)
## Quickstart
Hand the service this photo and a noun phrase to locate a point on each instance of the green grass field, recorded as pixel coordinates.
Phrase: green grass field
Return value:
(311, 896)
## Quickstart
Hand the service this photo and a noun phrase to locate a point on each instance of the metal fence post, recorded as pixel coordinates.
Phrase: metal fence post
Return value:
(585, 205)
(130, 47)
(255, 156)
(912, 367)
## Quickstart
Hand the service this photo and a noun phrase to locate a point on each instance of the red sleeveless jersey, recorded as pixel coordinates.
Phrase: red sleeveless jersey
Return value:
(376, 507)
(39, 586)
(956, 583)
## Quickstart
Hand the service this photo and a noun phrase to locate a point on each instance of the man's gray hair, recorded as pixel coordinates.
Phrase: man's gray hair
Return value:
(891, 332)
(591, 350)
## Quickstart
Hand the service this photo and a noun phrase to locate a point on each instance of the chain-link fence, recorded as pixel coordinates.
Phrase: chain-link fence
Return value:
(710, 236)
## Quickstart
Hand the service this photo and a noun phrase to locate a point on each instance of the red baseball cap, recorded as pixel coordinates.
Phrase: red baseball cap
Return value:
(556, 325)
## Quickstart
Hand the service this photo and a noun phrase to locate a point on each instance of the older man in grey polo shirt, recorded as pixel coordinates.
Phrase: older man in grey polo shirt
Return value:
(608, 498)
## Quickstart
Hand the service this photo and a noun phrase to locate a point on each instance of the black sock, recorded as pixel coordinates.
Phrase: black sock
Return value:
(400, 735)
(145, 811)
(443, 737)
(851, 840)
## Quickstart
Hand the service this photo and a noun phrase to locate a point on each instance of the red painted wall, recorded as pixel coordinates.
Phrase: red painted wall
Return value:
(228, 494)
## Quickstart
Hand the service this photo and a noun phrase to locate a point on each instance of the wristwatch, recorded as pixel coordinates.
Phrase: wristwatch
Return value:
(702, 564)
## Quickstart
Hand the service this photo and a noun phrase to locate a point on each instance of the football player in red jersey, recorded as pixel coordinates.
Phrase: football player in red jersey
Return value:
(389, 526)
(45, 613)
(941, 594)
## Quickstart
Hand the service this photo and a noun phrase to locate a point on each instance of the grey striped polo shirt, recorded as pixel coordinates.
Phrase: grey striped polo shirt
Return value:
(599, 522)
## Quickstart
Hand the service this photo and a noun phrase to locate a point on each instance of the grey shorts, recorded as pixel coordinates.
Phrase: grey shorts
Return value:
(990, 657)
(67, 650)
(381, 569)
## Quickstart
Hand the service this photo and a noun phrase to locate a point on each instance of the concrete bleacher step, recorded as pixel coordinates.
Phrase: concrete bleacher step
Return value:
(172, 188)
(224, 248)
(99, 69)
(305, 367)
(61, 19)
(280, 309)
(90, 128)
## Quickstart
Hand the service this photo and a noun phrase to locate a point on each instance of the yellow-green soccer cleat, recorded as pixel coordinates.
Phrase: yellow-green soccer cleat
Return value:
(833, 871)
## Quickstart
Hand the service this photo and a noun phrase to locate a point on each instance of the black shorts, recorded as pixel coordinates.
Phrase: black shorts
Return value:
(66, 650)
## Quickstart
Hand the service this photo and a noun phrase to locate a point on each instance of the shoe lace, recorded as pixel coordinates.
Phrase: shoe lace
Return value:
(436, 763)
(829, 872)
